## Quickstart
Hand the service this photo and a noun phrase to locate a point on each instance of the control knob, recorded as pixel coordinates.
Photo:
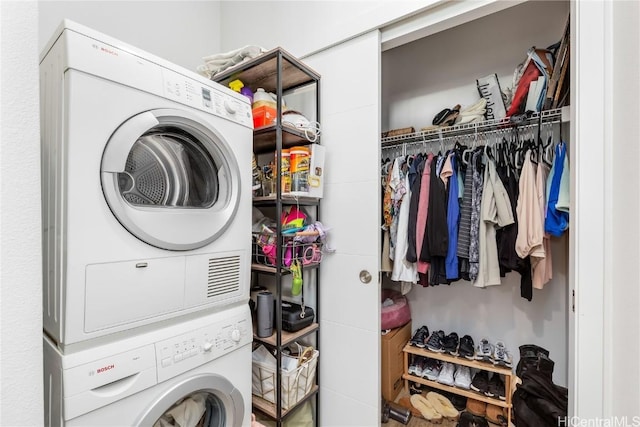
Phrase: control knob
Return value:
(235, 335)
(230, 106)
(207, 346)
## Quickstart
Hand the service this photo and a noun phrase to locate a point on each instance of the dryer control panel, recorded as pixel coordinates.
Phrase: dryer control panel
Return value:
(207, 97)
(187, 351)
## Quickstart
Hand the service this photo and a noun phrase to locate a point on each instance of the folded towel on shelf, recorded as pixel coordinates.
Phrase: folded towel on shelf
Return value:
(214, 64)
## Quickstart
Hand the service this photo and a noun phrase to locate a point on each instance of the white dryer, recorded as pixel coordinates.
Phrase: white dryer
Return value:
(146, 172)
(201, 367)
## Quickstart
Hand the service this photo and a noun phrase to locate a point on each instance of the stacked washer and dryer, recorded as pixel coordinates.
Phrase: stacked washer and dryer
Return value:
(146, 236)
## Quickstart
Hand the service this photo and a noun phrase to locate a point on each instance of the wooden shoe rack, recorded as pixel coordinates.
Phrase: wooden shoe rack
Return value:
(474, 364)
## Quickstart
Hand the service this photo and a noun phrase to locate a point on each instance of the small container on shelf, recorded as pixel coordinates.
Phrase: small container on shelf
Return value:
(263, 116)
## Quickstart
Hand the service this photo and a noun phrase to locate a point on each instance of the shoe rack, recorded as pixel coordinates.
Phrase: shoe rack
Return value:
(279, 72)
(474, 364)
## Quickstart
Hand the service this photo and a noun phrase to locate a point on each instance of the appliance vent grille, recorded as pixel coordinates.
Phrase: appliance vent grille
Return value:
(224, 276)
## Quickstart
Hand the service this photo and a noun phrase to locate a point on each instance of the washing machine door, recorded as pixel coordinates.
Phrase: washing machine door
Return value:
(170, 179)
(207, 397)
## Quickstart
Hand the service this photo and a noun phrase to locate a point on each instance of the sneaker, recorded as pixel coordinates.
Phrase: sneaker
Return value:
(420, 366)
(420, 337)
(415, 388)
(500, 355)
(484, 351)
(496, 387)
(480, 382)
(462, 377)
(446, 374)
(434, 343)
(450, 344)
(467, 348)
(413, 364)
(432, 369)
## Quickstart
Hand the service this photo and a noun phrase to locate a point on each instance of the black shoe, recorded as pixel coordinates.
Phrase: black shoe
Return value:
(450, 344)
(458, 402)
(480, 382)
(467, 348)
(434, 343)
(420, 337)
(467, 419)
(496, 387)
(415, 388)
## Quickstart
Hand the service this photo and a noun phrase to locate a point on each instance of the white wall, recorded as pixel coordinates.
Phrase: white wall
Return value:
(179, 31)
(20, 261)
(303, 27)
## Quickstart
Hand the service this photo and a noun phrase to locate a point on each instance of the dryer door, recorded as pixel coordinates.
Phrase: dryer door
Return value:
(171, 180)
(207, 397)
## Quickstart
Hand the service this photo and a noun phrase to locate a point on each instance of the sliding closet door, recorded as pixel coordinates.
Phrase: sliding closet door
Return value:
(350, 289)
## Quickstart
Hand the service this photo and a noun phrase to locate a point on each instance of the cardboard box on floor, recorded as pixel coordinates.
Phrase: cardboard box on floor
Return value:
(392, 360)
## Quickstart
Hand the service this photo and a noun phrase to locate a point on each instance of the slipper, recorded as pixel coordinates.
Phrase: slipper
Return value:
(426, 408)
(476, 407)
(443, 405)
(496, 415)
(405, 402)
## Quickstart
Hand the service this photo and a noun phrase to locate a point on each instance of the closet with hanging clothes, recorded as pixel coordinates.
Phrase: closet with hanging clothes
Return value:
(475, 216)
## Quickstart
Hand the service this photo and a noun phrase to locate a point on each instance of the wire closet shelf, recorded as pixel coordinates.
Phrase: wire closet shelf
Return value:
(518, 123)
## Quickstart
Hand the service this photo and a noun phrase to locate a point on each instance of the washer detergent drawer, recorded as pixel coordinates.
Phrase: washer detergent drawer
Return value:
(125, 292)
(96, 384)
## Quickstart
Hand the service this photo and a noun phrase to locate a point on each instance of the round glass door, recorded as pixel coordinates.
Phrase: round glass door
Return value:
(201, 400)
(168, 167)
(197, 409)
(170, 180)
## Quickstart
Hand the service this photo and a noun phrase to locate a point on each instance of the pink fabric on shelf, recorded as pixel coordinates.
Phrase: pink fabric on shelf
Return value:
(396, 315)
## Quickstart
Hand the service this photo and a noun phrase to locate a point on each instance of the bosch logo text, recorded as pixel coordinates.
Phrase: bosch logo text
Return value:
(105, 368)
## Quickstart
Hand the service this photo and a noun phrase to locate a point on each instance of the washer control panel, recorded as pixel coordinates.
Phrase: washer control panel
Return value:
(187, 351)
(207, 97)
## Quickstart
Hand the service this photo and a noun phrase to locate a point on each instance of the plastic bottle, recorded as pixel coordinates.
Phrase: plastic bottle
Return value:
(238, 86)
(299, 164)
(285, 171)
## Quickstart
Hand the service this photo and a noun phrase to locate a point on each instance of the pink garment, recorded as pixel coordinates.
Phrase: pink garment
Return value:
(530, 224)
(541, 266)
(446, 171)
(423, 210)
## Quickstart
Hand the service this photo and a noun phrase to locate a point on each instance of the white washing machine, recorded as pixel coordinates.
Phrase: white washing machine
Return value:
(199, 369)
(146, 172)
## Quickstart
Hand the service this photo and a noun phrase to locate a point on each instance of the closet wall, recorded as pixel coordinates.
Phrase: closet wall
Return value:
(421, 78)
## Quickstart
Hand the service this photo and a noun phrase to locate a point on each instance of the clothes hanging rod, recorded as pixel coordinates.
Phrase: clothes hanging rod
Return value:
(447, 138)
(545, 117)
